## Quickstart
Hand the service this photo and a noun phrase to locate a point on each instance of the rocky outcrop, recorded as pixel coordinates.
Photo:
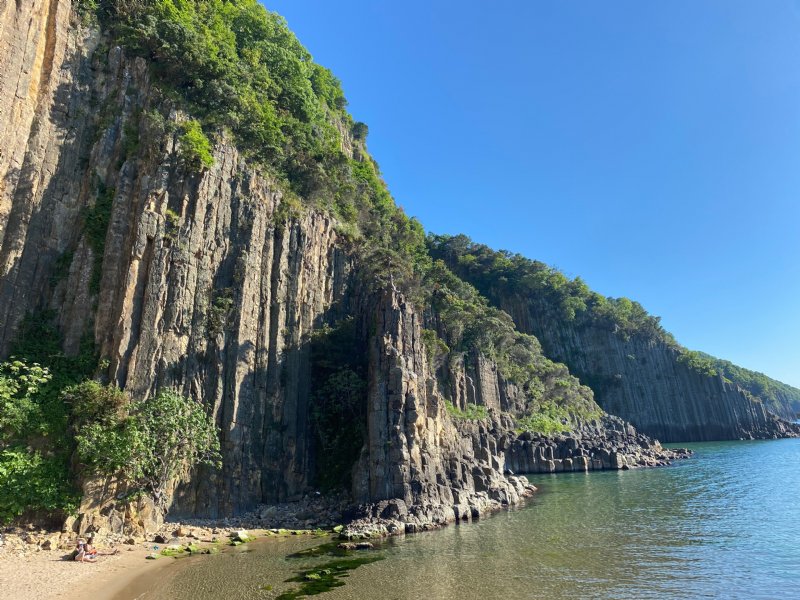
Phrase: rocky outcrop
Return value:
(641, 380)
(419, 467)
(608, 443)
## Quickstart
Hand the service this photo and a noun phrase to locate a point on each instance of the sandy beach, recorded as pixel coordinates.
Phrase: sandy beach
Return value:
(43, 575)
(29, 572)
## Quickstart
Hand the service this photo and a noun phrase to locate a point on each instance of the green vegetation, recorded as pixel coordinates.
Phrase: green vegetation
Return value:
(698, 362)
(146, 443)
(472, 412)
(779, 397)
(551, 419)
(469, 327)
(435, 348)
(237, 66)
(220, 310)
(503, 273)
(34, 467)
(57, 425)
(35, 444)
(234, 66)
(96, 220)
(195, 147)
(500, 274)
(34, 482)
(324, 577)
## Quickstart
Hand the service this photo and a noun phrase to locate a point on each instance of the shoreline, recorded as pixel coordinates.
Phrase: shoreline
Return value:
(39, 574)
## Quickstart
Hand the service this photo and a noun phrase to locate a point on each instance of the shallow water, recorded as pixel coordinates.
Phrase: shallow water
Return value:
(725, 524)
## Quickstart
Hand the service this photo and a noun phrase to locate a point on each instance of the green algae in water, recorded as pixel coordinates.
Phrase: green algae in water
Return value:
(326, 576)
(329, 549)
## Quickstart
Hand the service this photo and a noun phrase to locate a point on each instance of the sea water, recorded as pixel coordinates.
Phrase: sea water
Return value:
(723, 524)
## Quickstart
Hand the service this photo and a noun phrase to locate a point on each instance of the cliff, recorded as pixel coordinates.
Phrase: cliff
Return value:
(636, 370)
(286, 295)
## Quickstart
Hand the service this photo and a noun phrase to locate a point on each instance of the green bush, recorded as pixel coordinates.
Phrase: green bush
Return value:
(359, 131)
(472, 412)
(149, 444)
(34, 463)
(550, 419)
(20, 386)
(35, 434)
(32, 482)
(92, 402)
(195, 147)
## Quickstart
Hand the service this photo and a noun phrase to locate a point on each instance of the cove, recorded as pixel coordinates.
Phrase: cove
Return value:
(725, 524)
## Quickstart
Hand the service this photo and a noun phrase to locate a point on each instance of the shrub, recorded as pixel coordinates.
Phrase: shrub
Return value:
(360, 131)
(33, 482)
(151, 444)
(550, 419)
(146, 443)
(195, 147)
(92, 402)
(472, 412)
(20, 385)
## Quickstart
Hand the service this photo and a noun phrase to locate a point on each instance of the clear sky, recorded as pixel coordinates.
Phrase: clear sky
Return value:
(653, 148)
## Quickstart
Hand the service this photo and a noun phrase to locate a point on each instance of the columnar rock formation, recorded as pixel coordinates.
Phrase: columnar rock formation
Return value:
(635, 369)
(641, 380)
(208, 282)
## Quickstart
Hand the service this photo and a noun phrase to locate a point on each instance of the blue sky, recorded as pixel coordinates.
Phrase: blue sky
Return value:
(653, 148)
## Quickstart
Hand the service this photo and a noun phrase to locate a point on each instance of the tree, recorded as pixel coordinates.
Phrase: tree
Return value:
(152, 444)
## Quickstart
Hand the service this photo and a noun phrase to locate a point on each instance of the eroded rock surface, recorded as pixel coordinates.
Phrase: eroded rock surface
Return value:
(207, 282)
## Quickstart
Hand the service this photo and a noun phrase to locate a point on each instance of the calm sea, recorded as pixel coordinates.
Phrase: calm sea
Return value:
(724, 524)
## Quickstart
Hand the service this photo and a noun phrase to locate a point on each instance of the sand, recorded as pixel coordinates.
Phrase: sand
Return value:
(44, 575)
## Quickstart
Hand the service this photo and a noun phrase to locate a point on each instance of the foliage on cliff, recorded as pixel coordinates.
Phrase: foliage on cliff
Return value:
(239, 67)
(235, 66)
(781, 398)
(500, 274)
(497, 272)
(468, 326)
(35, 441)
(33, 472)
(58, 426)
(146, 443)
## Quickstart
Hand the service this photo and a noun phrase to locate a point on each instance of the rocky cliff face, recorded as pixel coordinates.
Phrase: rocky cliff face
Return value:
(636, 370)
(418, 466)
(198, 283)
(206, 281)
(642, 381)
(201, 284)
